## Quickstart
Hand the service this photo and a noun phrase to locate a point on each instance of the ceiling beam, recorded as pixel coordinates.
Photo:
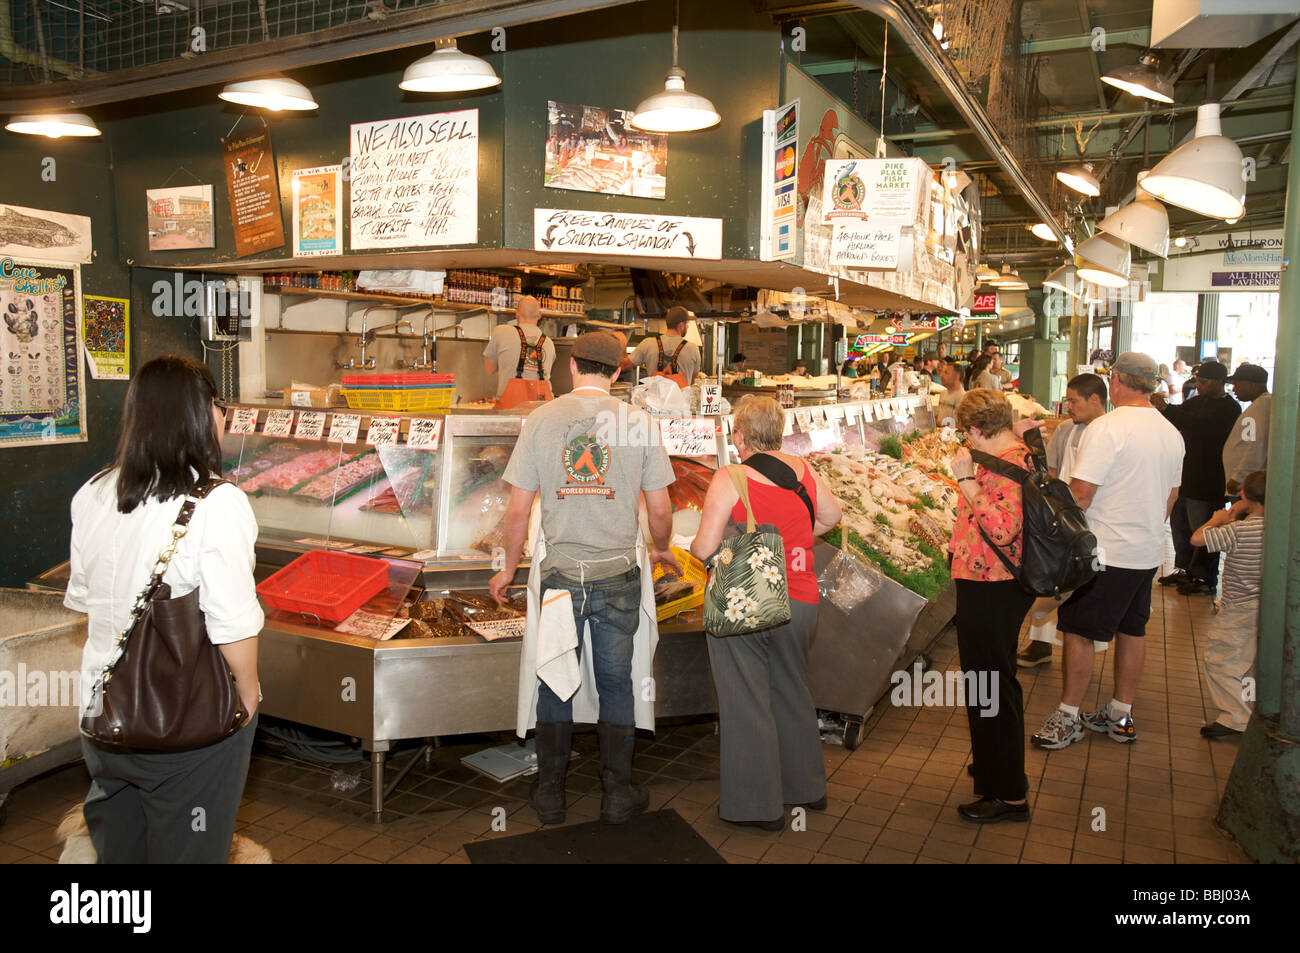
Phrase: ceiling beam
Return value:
(830, 67)
(1094, 63)
(1139, 36)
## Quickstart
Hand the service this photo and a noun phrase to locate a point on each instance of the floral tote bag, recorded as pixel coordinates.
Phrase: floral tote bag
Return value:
(747, 589)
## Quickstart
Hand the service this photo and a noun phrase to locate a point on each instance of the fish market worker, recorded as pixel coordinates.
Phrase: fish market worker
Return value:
(670, 354)
(520, 356)
(591, 457)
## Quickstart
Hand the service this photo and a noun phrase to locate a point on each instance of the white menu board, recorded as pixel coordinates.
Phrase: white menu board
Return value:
(414, 181)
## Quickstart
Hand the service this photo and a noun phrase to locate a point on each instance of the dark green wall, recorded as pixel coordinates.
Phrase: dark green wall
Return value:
(37, 482)
(615, 59)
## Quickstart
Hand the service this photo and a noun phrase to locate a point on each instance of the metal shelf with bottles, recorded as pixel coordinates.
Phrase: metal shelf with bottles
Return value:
(370, 491)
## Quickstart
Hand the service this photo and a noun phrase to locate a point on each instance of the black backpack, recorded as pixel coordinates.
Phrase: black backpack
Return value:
(1060, 551)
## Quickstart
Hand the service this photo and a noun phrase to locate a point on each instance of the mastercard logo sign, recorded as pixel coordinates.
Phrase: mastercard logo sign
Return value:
(784, 163)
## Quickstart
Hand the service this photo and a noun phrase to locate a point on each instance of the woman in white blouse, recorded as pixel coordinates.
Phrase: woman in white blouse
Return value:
(166, 807)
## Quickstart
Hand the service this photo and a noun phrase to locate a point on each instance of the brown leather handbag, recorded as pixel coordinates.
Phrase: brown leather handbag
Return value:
(167, 688)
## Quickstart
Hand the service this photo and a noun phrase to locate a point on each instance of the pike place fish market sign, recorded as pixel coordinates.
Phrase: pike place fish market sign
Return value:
(623, 233)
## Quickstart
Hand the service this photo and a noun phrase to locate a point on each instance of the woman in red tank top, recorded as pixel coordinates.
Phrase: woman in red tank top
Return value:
(771, 746)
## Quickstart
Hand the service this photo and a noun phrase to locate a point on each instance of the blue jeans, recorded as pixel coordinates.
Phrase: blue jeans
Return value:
(1188, 516)
(613, 607)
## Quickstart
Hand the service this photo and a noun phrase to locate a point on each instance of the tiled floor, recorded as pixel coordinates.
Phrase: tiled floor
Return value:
(890, 801)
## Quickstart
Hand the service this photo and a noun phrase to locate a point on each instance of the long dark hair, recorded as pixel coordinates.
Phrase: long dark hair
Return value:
(981, 364)
(167, 432)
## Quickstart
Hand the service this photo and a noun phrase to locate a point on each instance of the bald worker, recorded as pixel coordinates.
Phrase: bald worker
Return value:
(520, 349)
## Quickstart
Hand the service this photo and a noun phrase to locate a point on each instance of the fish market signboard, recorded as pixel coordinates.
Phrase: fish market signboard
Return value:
(1231, 261)
(626, 233)
(49, 236)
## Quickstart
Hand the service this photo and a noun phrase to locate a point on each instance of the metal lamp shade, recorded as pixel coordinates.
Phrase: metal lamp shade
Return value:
(1081, 180)
(448, 70)
(675, 109)
(1143, 223)
(1141, 80)
(53, 125)
(1066, 279)
(274, 93)
(1204, 175)
(1104, 260)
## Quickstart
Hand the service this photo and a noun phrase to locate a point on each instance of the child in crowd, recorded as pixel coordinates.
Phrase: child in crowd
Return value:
(1238, 533)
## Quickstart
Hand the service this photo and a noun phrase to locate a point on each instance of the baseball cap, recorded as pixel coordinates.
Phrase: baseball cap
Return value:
(599, 346)
(1249, 373)
(1211, 370)
(1137, 364)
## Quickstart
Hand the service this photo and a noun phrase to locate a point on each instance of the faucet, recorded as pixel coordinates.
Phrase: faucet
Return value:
(368, 335)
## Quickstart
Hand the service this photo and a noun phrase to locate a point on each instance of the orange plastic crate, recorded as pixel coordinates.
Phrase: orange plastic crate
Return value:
(328, 585)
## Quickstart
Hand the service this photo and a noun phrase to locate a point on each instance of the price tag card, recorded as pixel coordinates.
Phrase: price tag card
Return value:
(821, 439)
(382, 431)
(852, 412)
(834, 412)
(422, 555)
(371, 625)
(424, 433)
(311, 425)
(366, 550)
(243, 420)
(789, 424)
(710, 399)
(803, 418)
(819, 418)
(279, 423)
(495, 629)
(689, 436)
(344, 428)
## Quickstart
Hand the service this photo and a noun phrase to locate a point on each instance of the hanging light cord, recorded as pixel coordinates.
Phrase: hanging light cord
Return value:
(677, 15)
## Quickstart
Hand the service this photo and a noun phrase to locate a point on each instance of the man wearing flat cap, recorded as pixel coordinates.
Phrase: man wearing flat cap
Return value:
(591, 457)
(1247, 448)
(1205, 421)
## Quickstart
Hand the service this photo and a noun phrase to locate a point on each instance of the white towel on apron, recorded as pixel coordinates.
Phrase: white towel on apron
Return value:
(586, 701)
(557, 644)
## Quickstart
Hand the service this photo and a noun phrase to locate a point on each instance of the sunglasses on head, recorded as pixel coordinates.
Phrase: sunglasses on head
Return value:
(220, 404)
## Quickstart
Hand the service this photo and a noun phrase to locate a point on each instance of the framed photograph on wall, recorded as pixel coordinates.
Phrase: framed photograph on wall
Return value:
(592, 149)
(180, 218)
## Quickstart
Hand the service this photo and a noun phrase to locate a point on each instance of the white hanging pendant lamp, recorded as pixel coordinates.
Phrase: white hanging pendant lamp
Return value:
(272, 93)
(1204, 175)
(1143, 223)
(53, 125)
(675, 109)
(448, 70)
(1104, 260)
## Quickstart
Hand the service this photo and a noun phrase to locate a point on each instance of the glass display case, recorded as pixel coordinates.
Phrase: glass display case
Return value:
(444, 504)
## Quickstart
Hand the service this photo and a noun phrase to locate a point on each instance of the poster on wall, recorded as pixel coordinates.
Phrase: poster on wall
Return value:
(180, 218)
(414, 181)
(626, 233)
(883, 192)
(254, 190)
(318, 211)
(50, 236)
(780, 141)
(591, 149)
(106, 332)
(42, 386)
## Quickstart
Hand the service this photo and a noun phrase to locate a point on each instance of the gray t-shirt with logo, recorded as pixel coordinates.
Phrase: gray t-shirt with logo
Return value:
(589, 456)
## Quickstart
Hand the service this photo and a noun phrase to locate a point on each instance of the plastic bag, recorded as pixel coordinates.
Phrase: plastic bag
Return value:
(659, 395)
(847, 582)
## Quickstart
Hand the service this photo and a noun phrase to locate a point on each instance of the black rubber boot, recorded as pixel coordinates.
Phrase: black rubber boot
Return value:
(547, 794)
(621, 798)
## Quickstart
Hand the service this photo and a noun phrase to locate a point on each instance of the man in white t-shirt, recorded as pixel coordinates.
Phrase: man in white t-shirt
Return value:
(504, 356)
(1085, 401)
(1126, 476)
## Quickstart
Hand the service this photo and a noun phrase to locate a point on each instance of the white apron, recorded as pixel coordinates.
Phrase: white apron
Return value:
(586, 702)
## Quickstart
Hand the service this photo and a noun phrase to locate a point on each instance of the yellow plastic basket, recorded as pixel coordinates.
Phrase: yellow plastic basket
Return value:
(693, 571)
(430, 400)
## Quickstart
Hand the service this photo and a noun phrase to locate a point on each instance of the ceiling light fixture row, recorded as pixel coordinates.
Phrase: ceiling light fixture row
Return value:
(445, 70)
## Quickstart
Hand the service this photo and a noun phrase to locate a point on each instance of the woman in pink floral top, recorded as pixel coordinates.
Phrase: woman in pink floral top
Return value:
(991, 606)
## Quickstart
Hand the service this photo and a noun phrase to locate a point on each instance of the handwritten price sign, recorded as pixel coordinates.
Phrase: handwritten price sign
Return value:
(688, 436)
(243, 420)
(311, 425)
(279, 423)
(344, 428)
(383, 431)
(424, 433)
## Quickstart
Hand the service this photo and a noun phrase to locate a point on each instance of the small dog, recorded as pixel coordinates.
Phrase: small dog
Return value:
(78, 849)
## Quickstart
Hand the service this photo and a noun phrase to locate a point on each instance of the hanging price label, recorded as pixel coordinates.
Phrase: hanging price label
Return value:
(789, 424)
(344, 428)
(834, 412)
(311, 425)
(852, 412)
(424, 433)
(819, 419)
(803, 417)
(243, 420)
(383, 431)
(279, 423)
(689, 437)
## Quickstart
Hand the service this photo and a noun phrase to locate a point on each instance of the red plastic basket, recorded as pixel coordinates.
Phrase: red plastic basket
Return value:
(329, 585)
